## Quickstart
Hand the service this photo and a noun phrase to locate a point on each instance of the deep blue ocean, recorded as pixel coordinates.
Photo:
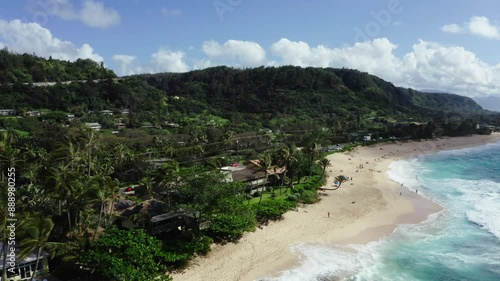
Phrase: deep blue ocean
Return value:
(460, 243)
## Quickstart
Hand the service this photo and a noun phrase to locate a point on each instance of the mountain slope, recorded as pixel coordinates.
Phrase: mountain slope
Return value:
(293, 90)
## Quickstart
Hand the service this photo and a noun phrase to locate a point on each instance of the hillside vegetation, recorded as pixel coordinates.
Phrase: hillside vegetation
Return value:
(28, 68)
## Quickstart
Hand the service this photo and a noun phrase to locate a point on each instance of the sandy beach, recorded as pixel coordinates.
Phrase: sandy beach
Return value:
(363, 209)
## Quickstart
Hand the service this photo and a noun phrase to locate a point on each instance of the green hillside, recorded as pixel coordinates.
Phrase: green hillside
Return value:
(28, 68)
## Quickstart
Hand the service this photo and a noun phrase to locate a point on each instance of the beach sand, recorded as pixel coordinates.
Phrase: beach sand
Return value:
(363, 209)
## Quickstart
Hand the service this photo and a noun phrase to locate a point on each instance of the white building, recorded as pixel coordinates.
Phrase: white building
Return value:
(94, 126)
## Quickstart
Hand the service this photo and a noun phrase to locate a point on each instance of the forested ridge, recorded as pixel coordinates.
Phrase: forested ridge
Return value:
(29, 68)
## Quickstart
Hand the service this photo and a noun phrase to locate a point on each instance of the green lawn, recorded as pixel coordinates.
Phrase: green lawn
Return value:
(22, 133)
(267, 195)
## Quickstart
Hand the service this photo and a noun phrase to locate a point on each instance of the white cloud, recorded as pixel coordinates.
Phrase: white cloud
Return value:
(480, 26)
(124, 61)
(92, 13)
(169, 61)
(167, 12)
(452, 28)
(243, 53)
(95, 14)
(163, 60)
(32, 38)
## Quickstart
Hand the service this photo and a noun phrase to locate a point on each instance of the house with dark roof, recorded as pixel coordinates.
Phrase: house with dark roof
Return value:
(161, 223)
(251, 174)
(6, 112)
(26, 268)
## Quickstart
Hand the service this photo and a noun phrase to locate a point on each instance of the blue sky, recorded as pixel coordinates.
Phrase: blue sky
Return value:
(423, 44)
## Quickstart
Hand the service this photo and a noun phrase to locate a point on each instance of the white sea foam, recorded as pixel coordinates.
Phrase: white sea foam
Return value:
(486, 207)
(321, 262)
(404, 172)
(430, 242)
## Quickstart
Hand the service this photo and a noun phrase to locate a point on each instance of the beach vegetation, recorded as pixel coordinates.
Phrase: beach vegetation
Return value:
(272, 209)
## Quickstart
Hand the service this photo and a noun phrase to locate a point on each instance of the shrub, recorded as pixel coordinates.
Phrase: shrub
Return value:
(309, 197)
(227, 227)
(292, 198)
(179, 252)
(256, 194)
(272, 209)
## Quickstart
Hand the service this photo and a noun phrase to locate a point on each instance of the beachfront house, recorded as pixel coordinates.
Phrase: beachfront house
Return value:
(107, 112)
(94, 126)
(136, 217)
(27, 267)
(7, 112)
(33, 113)
(251, 174)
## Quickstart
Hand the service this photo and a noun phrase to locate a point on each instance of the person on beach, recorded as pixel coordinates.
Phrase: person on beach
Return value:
(328, 214)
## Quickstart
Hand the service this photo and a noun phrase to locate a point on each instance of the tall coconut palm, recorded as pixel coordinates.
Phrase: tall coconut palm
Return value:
(313, 151)
(35, 234)
(8, 153)
(265, 162)
(68, 153)
(91, 143)
(104, 188)
(324, 163)
(59, 183)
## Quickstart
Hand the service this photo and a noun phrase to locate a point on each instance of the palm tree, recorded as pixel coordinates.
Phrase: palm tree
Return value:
(8, 154)
(265, 162)
(68, 153)
(324, 163)
(59, 183)
(104, 189)
(340, 179)
(35, 232)
(148, 184)
(91, 140)
(313, 151)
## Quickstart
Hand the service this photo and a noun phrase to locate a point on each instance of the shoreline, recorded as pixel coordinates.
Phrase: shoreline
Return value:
(364, 209)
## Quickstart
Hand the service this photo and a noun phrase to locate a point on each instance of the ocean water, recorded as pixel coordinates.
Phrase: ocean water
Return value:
(460, 243)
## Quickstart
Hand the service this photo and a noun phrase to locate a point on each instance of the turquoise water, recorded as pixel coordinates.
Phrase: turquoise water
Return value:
(460, 243)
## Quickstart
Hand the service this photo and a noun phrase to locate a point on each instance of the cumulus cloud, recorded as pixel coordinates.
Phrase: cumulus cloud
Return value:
(95, 14)
(163, 60)
(452, 28)
(167, 12)
(32, 38)
(243, 53)
(124, 61)
(480, 26)
(91, 12)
